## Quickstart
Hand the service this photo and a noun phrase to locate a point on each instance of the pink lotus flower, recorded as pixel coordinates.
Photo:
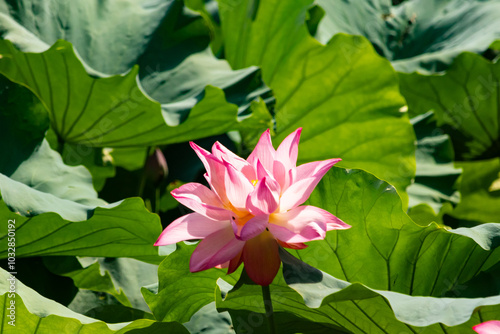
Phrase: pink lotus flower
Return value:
(252, 208)
(488, 327)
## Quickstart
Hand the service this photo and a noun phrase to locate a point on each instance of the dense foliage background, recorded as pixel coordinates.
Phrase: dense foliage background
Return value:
(407, 93)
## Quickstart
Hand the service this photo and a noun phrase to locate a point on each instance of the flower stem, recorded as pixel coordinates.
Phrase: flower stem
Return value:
(268, 304)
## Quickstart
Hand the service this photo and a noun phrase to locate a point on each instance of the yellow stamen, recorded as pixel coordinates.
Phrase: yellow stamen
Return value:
(254, 182)
(241, 221)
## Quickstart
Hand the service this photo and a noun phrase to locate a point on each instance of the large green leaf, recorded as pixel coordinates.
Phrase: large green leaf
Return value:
(125, 229)
(188, 297)
(418, 35)
(208, 320)
(54, 205)
(423, 214)
(100, 278)
(33, 273)
(36, 314)
(167, 40)
(128, 275)
(245, 321)
(23, 122)
(180, 293)
(112, 111)
(101, 302)
(43, 183)
(315, 296)
(480, 197)
(117, 40)
(342, 94)
(91, 277)
(436, 175)
(392, 274)
(465, 102)
(385, 249)
(34, 179)
(495, 45)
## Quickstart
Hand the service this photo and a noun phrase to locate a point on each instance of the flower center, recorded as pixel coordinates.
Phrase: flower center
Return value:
(240, 221)
(254, 182)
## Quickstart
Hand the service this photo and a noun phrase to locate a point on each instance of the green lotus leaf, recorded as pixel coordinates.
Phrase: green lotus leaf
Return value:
(341, 307)
(421, 35)
(464, 101)
(436, 175)
(23, 122)
(177, 283)
(37, 314)
(480, 198)
(384, 249)
(119, 277)
(125, 229)
(43, 183)
(169, 42)
(209, 320)
(35, 179)
(342, 94)
(54, 206)
(113, 111)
